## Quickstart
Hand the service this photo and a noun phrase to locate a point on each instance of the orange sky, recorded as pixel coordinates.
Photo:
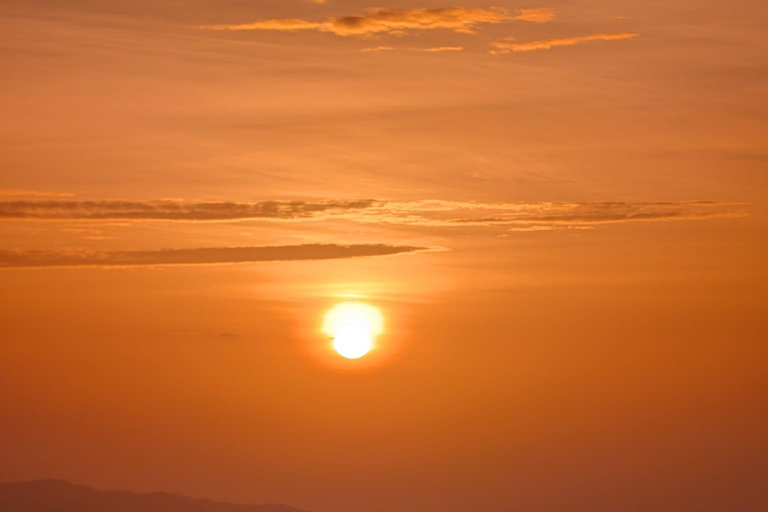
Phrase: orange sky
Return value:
(559, 208)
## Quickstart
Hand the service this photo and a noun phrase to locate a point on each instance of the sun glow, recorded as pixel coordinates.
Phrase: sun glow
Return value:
(354, 327)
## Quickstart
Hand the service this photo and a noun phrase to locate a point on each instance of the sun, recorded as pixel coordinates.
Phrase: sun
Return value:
(354, 327)
(352, 341)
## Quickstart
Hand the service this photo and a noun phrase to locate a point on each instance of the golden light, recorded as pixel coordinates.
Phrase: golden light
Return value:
(354, 327)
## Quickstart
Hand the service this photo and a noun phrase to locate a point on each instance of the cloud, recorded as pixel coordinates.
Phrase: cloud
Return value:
(394, 21)
(433, 49)
(536, 15)
(201, 256)
(539, 215)
(32, 193)
(501, 47)
(174, 210)
(377, 49)
(436, 213)
(438, 49)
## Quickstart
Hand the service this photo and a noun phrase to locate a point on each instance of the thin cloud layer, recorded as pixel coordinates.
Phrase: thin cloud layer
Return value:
(376, 49)
(440, 49)
(552, 215)
(544, 215)
(501, 47)
(432, 49)
(173, 210)
(201, 256)
(12, 192)
(536, 15)
(394, 21)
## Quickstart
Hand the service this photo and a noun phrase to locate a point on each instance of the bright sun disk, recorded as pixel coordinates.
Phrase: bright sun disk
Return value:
(352, 341)
(354, 327)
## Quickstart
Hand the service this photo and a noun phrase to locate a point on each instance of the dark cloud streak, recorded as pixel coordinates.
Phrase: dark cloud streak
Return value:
(574, 214)
(412, 213)
(197, 256)
(174, 210)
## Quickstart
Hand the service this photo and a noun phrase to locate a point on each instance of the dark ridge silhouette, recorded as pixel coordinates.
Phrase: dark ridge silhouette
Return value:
(62, 496)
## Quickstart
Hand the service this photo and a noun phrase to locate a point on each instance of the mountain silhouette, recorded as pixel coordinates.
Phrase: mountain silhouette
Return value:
(63, 496)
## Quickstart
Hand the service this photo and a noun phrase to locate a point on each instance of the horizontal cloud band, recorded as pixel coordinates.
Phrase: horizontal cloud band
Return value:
(506, 46)
(200, 256)
(553, 215)
(174, 210)
(395, 21)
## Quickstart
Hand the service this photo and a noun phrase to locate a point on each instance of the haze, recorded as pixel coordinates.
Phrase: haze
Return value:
(558, 208)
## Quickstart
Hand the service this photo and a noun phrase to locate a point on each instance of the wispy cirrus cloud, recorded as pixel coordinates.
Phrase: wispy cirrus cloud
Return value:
(440, 49)
(13, 192)
(376, 49)
(431, 49)
(543, 215)
(394, 21)
(173, 209)
(508, 46)
(536, 15)
(197, 256)
(435, 213)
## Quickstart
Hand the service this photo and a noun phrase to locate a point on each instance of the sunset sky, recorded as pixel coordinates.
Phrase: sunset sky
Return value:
(560, 210)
